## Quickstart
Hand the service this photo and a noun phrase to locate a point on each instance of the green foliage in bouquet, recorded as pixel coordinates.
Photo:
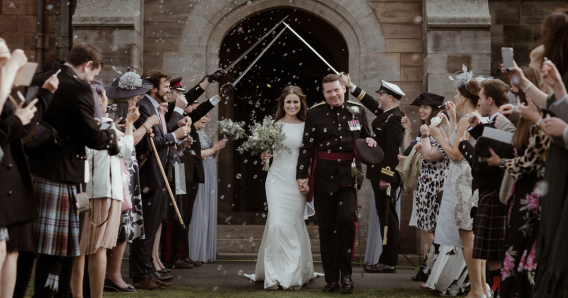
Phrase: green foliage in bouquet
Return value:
(230, 130)
(265, 137)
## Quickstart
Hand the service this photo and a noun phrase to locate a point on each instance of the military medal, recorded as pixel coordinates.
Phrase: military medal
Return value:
(354, 125)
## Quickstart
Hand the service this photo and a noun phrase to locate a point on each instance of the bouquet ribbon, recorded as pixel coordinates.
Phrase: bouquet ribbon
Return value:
(340, 156)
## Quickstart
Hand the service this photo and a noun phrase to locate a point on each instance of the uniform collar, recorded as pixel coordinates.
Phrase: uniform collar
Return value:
(342, 106)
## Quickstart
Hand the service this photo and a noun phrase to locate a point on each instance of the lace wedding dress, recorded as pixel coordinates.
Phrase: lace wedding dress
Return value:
(285, 256)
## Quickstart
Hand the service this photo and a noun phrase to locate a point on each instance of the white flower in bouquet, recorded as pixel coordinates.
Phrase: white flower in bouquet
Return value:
(230, 130)
(436, 121)
(265, 137)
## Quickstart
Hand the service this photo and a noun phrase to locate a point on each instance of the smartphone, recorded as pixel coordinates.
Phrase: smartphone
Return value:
(121, 111)
(31, 94)
(507, 56)
(25, 74)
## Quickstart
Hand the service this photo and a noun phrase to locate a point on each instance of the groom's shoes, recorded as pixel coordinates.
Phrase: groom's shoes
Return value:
(382, 268)
(331, 287)
(347, 283)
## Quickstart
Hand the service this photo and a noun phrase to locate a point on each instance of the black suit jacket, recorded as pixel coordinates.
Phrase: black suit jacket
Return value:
(327, 128)
(388, 133)
(16, 188)
(71, 113)
(151, 178)
(192, 156)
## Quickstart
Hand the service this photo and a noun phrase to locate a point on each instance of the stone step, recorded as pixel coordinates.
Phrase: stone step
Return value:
(255, 231)
(411, 261)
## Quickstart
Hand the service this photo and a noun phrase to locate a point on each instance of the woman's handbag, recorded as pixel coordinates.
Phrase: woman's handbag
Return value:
(82, 200)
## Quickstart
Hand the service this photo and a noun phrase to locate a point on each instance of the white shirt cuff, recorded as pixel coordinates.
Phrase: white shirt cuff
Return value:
(214, 100)
(174, 135)
(353, 89)
(179, 110)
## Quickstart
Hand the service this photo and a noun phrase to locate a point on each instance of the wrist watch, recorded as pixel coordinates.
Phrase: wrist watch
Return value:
(502, 163)
(407, 133)
(538, 122)
(425, 136)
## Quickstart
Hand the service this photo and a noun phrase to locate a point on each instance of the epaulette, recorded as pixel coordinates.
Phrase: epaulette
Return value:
(318, 104)
(361, 95)
(355, 103)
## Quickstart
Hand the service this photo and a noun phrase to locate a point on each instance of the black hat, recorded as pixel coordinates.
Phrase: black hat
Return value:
(391, 89)
(368, 155)
(127, 85)
(176, 84)
(429, 99)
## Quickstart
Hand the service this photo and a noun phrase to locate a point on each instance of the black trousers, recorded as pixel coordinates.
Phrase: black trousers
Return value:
(390, 251)
(141, 266)
(174, 237)
(336, 216)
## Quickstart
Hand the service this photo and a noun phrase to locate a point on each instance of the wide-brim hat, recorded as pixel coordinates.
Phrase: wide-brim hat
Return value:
(176, 84)
(127, 85)
(391, 89)
(428, 99)
(368, 155)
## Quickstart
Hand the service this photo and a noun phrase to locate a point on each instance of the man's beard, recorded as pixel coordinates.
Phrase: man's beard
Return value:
(161, 96)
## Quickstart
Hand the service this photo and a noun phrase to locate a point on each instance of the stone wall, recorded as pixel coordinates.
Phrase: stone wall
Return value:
(18, 26)
(517, 24)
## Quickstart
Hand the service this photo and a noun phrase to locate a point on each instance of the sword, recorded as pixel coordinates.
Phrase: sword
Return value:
(253, 46)
(309, 46)
(232, 85)
(355, 173)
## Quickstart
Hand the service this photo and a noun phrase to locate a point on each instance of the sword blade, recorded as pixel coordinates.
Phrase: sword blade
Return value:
(309, 46)
(257, 58)
(254, 45)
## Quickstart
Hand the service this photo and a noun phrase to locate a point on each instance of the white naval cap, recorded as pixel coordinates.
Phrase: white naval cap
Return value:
(391, 89)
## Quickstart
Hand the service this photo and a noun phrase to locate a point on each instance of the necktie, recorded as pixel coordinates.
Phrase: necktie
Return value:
(162, 119)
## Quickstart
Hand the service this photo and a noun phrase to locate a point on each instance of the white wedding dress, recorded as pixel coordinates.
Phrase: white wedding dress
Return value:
(285, 256)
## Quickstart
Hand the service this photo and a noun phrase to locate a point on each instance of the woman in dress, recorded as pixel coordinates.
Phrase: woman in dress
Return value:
(531, 145)
(285, 256)
(434, 163)
(454, 230)
(203, 227)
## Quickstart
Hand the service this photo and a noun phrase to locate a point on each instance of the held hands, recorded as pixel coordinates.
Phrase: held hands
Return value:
(181, 102)
(26, 114)
(303, 185)
(219, 145)
(371, 143)
(554, 126)
(265, 157)
(494, 159)
(406, 124)
(51, 84)
(182, 132)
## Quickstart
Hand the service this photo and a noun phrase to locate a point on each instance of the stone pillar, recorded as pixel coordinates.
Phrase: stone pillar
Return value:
(456, 32)
(115, 27)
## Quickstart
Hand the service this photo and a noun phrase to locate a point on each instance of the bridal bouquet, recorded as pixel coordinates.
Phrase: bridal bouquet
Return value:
(265, 137)
(230, 130)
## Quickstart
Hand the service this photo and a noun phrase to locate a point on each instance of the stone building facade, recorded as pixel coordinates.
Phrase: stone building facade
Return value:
(413, 43)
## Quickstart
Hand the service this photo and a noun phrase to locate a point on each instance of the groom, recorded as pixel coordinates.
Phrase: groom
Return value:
(330, 132)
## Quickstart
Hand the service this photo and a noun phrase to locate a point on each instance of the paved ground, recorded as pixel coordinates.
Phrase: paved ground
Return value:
(225, 274)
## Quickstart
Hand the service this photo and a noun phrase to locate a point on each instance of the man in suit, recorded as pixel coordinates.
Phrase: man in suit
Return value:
(331, 130)
(57, 167)
(388, 133)
(151, 178)
(489, 224)
(175, 245)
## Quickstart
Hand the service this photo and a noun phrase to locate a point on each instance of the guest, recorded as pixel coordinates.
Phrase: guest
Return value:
(106, 193)
(434, 164)
(531, 145)
(203, 231)
(490, 219)
(16, 216)
(56, 170)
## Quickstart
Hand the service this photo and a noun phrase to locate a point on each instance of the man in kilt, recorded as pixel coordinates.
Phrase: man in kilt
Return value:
(490, 218)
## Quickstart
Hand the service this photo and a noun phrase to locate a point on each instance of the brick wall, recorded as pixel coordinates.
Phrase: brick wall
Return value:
(517, 24)
(18, 24)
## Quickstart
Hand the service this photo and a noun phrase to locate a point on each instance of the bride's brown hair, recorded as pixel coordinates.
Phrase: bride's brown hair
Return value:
(280, 113)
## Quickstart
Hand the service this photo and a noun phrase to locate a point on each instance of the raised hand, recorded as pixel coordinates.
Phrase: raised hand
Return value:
(424, 129)
(181, 132)
(133, 115)
(554, 126)
(185, 121)
(406, 124)
(473, 120)
(498, 119)
(51, 84)
(181, 102)
(551, 74)
(507, 109)
(515, 74)
(216, 76)
(451, 108)
(529, 111)
(227, 88)
(26, 114)
(219, 145)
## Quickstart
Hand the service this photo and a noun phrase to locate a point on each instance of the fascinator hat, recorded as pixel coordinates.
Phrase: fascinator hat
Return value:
(127, 85)
(463, 77)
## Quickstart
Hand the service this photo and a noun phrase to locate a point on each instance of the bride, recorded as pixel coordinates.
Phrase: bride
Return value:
(285, 256)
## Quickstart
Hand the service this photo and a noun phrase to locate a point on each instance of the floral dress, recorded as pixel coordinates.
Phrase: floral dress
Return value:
(430, 182)
(519, 266)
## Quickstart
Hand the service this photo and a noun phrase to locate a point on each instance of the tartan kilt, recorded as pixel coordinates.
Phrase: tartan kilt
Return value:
(56, 231)
(489, 227)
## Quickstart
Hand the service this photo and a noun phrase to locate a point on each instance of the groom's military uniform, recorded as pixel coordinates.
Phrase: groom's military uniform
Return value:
(388, 133)
(329, 140)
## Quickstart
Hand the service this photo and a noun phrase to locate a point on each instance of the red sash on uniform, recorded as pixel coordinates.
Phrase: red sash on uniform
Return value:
(340, 156)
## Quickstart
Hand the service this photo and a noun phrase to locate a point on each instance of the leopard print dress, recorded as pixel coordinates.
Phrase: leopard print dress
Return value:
(430, 182)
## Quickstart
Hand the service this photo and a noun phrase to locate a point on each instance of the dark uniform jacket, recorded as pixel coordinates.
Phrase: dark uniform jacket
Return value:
(388, 133)
(16, 192)
(71, 114)
(327, 129)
